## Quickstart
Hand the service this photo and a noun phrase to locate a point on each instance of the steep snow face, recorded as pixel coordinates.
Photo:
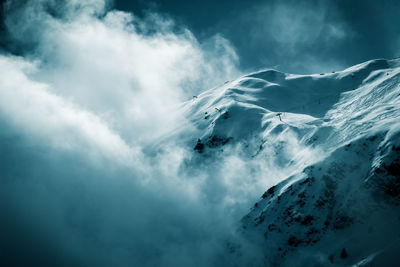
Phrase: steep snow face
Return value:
(348, 201)
(333, 142)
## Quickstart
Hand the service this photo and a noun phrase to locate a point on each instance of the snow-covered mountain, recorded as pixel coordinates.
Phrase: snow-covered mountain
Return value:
(334, 141)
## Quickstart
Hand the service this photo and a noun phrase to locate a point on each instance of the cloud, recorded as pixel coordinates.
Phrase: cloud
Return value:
(138, 69)
(74, 192)
(80, 108)
(31, 107)
(85, 179)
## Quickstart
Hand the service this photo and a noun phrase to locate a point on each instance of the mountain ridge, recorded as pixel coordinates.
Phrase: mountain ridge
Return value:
(350, 120)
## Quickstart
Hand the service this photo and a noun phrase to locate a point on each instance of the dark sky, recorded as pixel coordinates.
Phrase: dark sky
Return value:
(292, 36)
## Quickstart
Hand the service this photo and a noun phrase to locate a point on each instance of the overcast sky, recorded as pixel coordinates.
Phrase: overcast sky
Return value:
(290, 35)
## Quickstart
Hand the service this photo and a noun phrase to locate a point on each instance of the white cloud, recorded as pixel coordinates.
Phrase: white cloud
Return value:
(96, 89)
(99, 88)
(31, 107)
(132, 80)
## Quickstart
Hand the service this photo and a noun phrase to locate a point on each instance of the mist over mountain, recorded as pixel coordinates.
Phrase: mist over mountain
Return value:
(128, 141)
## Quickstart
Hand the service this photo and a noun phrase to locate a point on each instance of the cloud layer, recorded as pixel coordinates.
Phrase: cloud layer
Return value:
(80, 109)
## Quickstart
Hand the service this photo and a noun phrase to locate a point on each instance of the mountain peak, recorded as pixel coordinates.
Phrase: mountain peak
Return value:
(348, 122)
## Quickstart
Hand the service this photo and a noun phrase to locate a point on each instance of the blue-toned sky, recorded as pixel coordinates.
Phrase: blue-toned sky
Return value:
(293, 36)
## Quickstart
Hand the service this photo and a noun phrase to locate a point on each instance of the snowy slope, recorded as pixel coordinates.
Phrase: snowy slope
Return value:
(335, 138)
